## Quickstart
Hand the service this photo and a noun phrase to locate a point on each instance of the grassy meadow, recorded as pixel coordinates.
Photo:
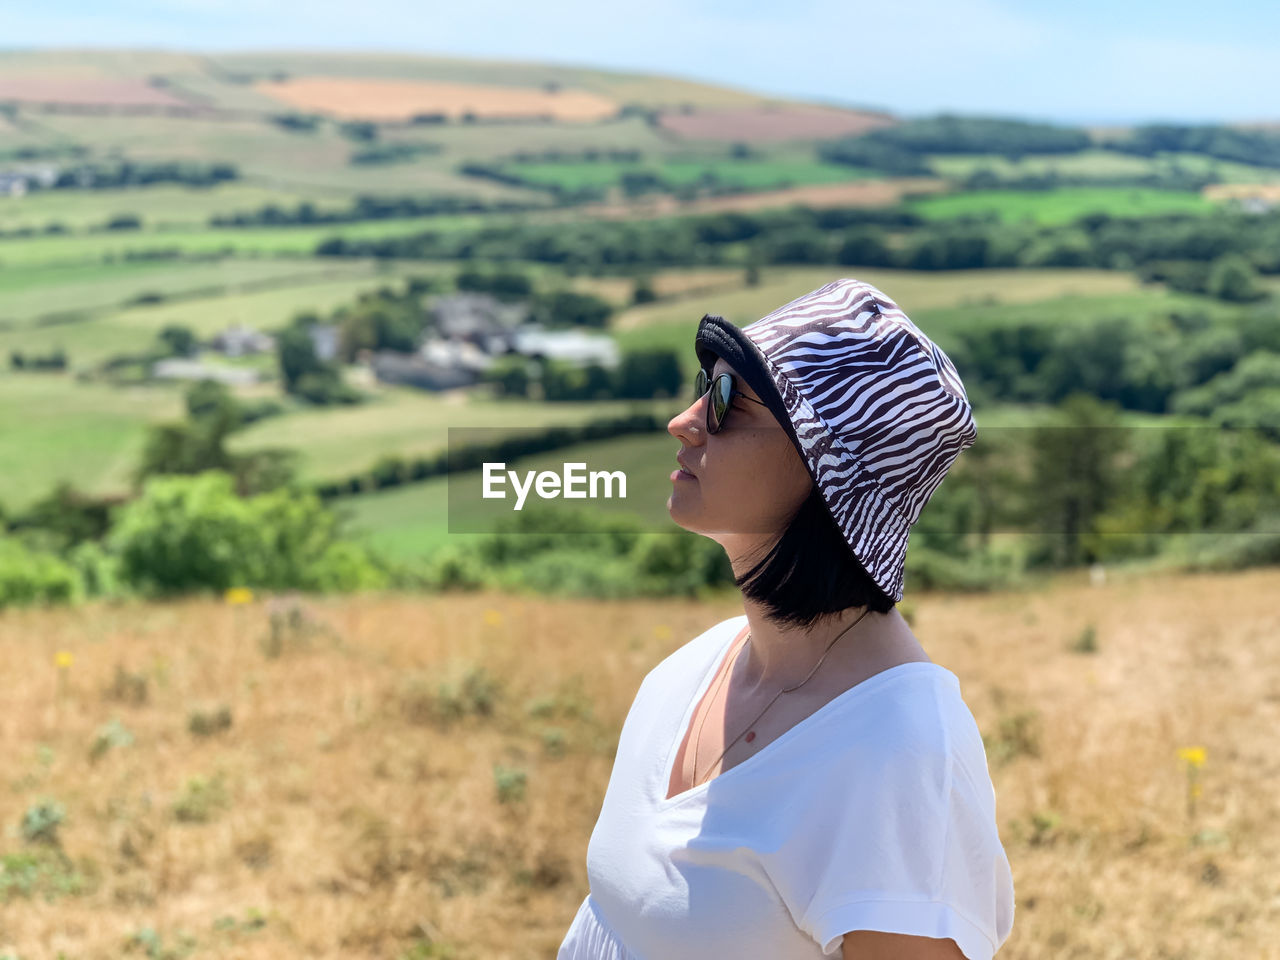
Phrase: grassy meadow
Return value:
(940, 302)
(399, 776)
(1062, 205)
(414, 519)
(1097, 163)
(751, 174)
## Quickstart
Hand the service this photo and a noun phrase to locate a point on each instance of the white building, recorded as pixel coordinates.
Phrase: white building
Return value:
(181, 368)
(238, 340)
(455, 353)
(570, 346)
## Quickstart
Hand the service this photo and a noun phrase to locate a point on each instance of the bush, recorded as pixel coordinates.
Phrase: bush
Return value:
(642, 292)
(443, 702)
(206, 723)
(28, 577)
(128, 687)
(201, 800)
(643, 374)
(930, 570)
(510, 376)
(567, 308)
(98, 570)
(46, 871)
(325, 389)
(504, 285)
(510, 783)
(188, 533)
(681, 564)
(1258, 546)
(109, 736)
(124, 221)
(178, 340)
(40, 823)
(362, 131)
(571, 571)
(453, 568)
(1233, 278)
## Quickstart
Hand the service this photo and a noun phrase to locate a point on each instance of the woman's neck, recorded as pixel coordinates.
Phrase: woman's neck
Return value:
(778, 656)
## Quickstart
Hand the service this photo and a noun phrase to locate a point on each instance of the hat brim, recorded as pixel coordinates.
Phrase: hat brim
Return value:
(717, 337)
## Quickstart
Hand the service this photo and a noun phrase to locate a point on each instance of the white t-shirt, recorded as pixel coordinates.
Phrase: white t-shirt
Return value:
(874, 813)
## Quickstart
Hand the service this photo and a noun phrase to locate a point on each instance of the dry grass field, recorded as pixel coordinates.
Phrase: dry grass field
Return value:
(771, 122)
(88, 87)
(406, 776)
(370, 99)
(1268, 192)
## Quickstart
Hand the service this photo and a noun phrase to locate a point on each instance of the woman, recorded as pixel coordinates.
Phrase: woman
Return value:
(803, 781)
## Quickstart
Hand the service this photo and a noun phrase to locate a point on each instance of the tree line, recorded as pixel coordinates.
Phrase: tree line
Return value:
(134, 173)
(1079, 484)
(896, 239)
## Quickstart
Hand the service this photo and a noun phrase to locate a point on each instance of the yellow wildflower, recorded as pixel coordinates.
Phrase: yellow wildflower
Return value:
(239, 595)
(1193, 755)
(62, 659)
(662, 632)
(493, 618)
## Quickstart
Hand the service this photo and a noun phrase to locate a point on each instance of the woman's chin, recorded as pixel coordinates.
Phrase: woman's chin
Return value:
(681, 511)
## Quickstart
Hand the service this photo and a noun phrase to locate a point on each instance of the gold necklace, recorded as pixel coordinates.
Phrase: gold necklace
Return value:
(767, 705)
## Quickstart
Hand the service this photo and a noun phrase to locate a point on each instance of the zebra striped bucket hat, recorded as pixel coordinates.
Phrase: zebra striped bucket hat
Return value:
(875, 408)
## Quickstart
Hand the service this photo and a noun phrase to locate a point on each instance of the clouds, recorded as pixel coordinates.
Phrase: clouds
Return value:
(1080, 62)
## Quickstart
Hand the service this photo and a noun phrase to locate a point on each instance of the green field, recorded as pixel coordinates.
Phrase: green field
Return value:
(31, 293)
(92, 435)
(1099, 163)
(161, 206)
(337, 443)
(414, 519)
(1059, 206)
(298, 241)
(205, 297)
(750, 174)
(939, 301)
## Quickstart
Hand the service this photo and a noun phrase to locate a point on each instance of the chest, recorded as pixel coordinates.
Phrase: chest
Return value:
(722, 715)
(729, 726)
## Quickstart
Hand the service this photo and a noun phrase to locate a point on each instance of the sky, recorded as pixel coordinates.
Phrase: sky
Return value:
(1083, 61)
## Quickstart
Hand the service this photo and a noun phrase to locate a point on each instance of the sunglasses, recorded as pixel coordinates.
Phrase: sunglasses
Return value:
(721, 393)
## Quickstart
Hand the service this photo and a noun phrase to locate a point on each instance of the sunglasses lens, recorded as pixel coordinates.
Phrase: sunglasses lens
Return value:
(720, 391)
(700, 384)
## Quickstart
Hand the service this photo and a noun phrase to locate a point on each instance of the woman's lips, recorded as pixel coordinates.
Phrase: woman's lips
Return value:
(682, 474)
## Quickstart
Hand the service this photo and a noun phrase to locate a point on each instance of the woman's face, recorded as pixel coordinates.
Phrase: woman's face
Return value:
(748, 479)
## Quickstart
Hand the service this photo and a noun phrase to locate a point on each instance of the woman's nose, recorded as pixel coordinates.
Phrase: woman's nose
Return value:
(688, 421)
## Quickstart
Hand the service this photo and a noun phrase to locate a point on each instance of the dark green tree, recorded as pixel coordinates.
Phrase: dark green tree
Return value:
(1075, 474)
(1232, 277)
(179, 340)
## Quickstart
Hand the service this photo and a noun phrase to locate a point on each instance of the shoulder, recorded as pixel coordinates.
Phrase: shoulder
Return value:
(895, 828)
(910, 709)
(908, 732)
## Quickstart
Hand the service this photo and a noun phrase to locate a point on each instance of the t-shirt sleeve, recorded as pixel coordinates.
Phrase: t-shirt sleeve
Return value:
(896, 837)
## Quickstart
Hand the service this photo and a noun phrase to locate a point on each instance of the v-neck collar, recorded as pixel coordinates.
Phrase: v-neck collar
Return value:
(870, 684)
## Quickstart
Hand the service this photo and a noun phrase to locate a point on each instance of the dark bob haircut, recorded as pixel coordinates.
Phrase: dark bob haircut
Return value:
(810, 572)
